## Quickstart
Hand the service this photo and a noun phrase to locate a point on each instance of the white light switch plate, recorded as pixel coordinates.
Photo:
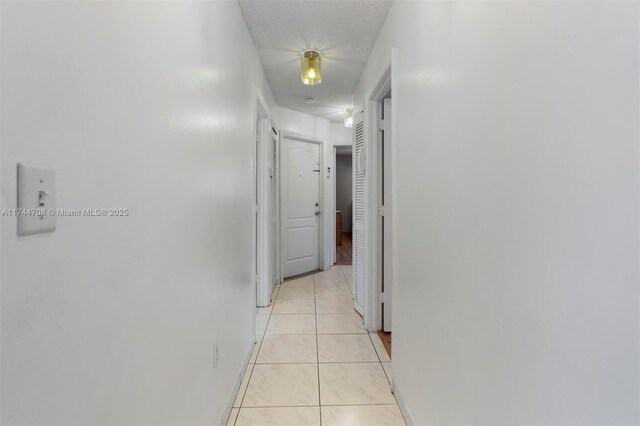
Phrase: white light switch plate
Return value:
(36, 194)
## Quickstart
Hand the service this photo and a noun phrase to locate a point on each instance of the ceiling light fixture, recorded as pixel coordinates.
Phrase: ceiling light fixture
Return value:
(311, 68)
(348, 117)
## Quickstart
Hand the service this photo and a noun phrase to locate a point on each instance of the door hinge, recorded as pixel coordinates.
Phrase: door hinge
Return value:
(381, 125)
(257, 208)
(257, 279)
(381, 298)
(381, 211)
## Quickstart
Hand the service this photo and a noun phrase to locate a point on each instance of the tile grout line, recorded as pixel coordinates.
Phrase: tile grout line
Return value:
(314, 362)
(379, 359)
(325, 405)
(387, 376)
(345, 278)
(315, 315)
(255, 361)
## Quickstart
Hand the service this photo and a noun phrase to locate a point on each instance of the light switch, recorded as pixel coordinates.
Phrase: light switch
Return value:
(36, 199)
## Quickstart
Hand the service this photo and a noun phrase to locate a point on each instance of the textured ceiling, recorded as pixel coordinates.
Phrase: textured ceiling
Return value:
(343, 31)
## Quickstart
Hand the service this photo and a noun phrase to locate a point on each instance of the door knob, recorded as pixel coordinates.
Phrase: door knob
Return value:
(317, 212)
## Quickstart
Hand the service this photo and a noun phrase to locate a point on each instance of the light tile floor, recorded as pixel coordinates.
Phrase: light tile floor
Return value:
(314, 363)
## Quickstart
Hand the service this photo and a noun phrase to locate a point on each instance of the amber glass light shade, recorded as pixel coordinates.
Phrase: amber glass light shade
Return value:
(311, 72)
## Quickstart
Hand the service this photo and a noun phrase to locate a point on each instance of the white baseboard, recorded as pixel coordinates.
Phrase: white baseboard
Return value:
(408, 418)
(236, 387)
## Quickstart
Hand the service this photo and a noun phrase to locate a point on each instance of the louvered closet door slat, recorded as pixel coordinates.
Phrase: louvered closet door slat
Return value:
(358, 226)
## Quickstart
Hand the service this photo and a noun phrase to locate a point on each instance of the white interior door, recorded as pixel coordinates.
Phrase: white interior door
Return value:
(300, 177)
(387, 275)
(359, 166)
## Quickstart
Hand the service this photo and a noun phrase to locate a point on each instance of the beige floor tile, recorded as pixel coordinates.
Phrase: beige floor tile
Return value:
(362, 415)
(301, 286)
(341, 292)
(339, 323)
(335, 270)
(289, 348)
(348, 275)
(377, 343)
(274, 292)
(335, 306)
(387, 370)
(352, 384)
(345, 348)
(333, 291)
(331, 281)
(279, 416)
(296, 293)
(265, 310)
(346, 269)
(254, 353)
(233, 416)
(302, 281)
(292, 324)
(261, 325)
(283, 385)
(243, 386)
(294, 306)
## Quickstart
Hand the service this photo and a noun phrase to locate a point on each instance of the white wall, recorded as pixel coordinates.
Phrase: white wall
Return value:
(148, 106)
(340, 135)
(516, 300)
(303, 124)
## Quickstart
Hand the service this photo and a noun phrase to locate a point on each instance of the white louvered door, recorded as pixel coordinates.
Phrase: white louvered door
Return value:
(359, 168)
(275, 206)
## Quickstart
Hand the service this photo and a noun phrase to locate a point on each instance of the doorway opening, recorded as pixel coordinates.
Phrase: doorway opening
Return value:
(380, 208)
(344, 204)
(265, 198)
(385, 226)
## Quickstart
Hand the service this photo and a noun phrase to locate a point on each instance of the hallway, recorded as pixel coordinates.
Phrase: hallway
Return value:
(314, 363)
(166, 164)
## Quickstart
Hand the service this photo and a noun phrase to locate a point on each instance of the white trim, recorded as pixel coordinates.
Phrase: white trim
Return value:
(334, 247)
(394, 180)
(263, 104)
(276, 217)
(404, 409)
(385, 82)
(236, 386)
(262, 226)
(323, 201)
(300, 137)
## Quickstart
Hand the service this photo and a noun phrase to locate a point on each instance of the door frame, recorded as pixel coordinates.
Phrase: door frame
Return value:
(372, 114)
(262, 267)
(386, 219)
(334, 250)
(322, 238)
